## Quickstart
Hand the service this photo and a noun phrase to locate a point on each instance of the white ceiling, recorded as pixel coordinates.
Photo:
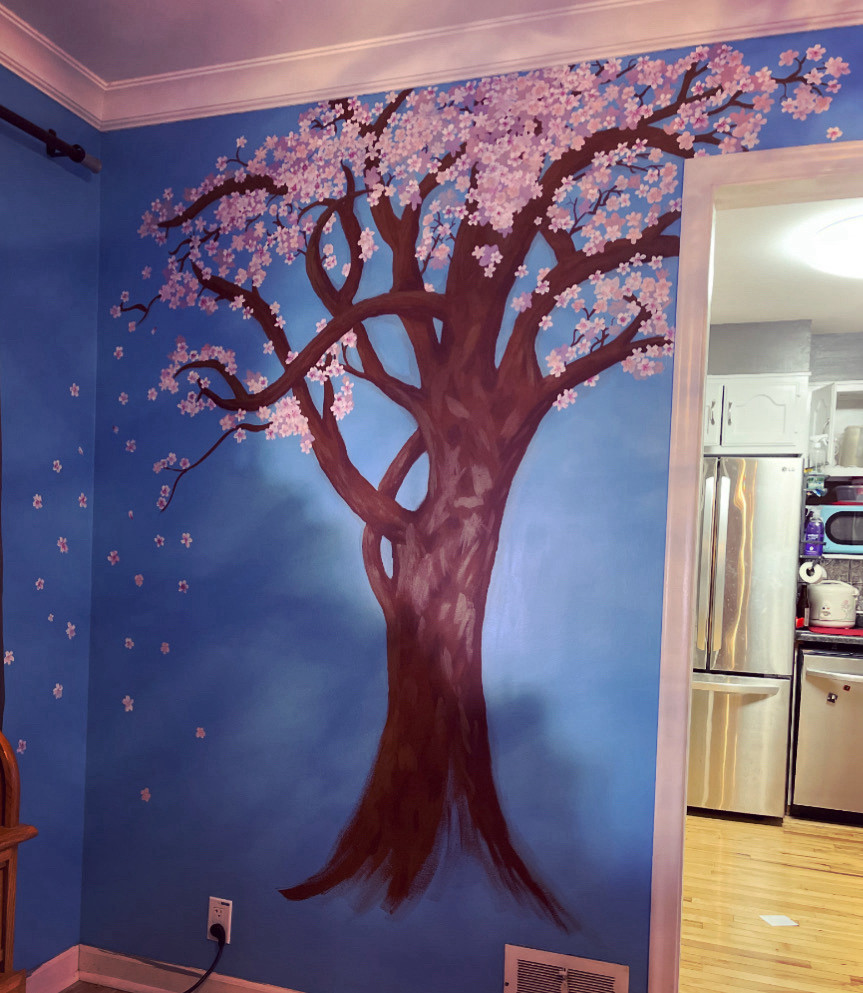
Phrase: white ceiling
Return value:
(125, 62)
(118, 63)
(761, 273)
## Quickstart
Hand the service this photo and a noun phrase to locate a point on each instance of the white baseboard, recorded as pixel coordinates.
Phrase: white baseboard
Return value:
(56, 974)
(131, 974)
(139, 975)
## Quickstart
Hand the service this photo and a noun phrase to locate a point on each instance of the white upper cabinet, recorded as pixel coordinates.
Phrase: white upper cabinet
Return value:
(756, 415)
(836, 428)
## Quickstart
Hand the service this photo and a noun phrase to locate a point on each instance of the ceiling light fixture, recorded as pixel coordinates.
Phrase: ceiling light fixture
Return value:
(838, 248)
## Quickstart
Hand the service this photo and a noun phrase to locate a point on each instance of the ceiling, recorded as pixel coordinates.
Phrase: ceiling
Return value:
(761, 271)
(119, 64)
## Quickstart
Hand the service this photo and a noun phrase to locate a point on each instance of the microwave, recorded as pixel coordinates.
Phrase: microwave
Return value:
(843, 529)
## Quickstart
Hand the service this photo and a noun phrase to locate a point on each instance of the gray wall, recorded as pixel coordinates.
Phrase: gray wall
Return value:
(775, 346)
(784, 347)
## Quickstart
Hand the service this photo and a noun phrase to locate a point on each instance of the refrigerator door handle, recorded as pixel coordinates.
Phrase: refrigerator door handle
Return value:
(741, 689)
(702, 597)
(719, 567)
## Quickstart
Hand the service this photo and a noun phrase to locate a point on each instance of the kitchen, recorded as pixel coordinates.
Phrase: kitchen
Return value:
(776, 707)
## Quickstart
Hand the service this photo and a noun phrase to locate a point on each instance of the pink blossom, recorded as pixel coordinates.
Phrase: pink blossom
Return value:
(37, 501)
(129, 643)
(128, 703)
(139, 580)
(70, 630)
(57, 466)
(159, 540)
(131, 445)
(82, 500)
(8, 658)
(118, 352)
(183, 586)
(200, 733)
(146, 794)
(151, 393)
(63, 545)
(131, 514)
(367, 244)
(57, 691)
(833, 133)
(50, 617)
(123, 398)
(165, 648)
(113, 556)
(186, 539)
(22, 746)
(146, 272)
(565, 399)
(40, 583)
(74, 389)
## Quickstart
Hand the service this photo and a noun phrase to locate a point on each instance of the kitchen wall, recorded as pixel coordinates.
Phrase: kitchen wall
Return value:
(759, 347)
(48, 258)
(836, 357)
(238, 658)
(785, 347)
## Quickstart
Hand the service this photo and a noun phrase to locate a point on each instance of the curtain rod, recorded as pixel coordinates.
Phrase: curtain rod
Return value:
(54, 146)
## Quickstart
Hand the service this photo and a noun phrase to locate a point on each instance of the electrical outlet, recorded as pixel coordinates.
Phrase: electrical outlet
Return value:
(219, 913)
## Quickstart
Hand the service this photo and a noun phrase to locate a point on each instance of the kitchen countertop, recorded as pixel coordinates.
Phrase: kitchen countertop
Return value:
(811, 638)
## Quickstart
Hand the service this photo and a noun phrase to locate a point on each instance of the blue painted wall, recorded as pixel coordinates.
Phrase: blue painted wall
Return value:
(232, 725)
(277, 649)
(49, 261)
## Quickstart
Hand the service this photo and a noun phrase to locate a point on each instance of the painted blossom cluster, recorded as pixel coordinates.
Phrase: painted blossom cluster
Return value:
(585, 156)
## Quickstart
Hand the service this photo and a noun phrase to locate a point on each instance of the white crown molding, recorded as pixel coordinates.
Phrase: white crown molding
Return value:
(592, 28)
(43, 64)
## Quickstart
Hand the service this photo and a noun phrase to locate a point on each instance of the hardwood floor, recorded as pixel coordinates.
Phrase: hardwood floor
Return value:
(734, 871)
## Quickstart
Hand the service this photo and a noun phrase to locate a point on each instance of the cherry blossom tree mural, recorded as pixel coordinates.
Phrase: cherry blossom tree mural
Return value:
(515, 233)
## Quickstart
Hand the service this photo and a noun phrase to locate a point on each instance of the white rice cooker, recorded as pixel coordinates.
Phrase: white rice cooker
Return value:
(832, 604)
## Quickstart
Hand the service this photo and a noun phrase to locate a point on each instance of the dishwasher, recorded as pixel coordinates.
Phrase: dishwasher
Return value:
(830, 732)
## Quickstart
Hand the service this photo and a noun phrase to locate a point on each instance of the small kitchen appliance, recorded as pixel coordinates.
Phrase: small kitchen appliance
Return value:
(832, 604)
(843, 529)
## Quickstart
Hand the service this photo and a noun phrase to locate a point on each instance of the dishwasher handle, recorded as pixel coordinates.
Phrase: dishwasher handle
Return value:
(742, 689)
(840, 677)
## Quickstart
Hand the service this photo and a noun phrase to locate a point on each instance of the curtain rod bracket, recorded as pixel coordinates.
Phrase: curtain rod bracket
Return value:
(54, 146)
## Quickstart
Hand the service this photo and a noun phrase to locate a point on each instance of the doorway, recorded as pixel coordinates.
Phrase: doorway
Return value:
(753, 179)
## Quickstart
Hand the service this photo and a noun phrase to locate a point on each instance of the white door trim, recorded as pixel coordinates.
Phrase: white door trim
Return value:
(789, 175)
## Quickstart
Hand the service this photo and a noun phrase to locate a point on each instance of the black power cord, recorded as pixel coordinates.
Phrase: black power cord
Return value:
(218, 932)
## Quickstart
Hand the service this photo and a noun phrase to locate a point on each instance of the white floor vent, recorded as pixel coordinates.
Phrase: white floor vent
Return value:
(526, 970)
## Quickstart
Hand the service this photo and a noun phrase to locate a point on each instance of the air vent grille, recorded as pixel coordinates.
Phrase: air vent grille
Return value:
(527, 970)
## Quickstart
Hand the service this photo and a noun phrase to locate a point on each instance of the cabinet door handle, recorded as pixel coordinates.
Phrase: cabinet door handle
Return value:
(728, 413)
(710, 412)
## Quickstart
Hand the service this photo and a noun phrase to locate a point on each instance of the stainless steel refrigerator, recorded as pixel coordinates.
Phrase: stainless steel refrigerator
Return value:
(744, 641)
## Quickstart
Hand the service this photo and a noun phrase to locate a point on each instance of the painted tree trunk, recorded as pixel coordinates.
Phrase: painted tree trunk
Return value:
(432, 785)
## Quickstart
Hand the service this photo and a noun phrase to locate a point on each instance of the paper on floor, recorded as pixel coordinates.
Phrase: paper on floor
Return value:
(778, 920)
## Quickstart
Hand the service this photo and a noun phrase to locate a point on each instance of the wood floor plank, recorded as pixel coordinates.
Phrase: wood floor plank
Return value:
(734, 871)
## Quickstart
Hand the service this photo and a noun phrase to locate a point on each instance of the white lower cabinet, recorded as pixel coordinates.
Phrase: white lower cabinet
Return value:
(756, 414)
